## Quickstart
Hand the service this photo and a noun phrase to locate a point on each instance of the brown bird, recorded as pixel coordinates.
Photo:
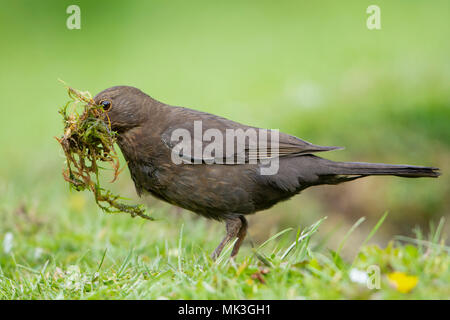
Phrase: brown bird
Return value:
(212, 187)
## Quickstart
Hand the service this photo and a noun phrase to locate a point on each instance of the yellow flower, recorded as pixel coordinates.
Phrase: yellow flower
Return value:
(402, 282)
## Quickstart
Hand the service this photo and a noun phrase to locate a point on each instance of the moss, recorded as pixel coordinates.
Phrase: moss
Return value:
(87, 140)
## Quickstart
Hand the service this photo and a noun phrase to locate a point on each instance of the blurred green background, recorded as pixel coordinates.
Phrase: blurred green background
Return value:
(311, 69)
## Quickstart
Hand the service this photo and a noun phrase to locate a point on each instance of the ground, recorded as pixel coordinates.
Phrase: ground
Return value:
(86, 254)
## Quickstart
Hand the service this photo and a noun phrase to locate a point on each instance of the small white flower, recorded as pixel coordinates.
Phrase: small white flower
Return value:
(38, 253)
(8, 242)
(358, 276)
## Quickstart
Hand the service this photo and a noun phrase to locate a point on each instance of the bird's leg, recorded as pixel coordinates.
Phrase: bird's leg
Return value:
(233, 226)
(241, 235)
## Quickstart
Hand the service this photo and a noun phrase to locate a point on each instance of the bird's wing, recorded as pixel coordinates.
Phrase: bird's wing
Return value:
(198, 136)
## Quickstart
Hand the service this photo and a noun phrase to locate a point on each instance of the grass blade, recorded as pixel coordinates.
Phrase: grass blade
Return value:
(349, 232)
(374, 230)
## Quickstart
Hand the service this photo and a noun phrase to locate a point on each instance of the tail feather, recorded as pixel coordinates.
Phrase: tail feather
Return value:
(363, 169)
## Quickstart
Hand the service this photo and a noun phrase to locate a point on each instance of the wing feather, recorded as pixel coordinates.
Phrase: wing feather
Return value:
(250, 150)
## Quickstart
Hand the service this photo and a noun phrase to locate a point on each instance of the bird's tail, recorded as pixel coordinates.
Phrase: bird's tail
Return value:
(369, 169)
(310, 170)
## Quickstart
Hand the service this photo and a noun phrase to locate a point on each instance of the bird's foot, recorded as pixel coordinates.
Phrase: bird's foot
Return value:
(236, 227)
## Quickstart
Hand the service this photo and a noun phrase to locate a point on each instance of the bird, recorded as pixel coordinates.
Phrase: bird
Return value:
(228, 187)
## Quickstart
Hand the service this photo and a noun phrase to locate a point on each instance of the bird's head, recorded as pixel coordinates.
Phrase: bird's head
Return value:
(126, 107)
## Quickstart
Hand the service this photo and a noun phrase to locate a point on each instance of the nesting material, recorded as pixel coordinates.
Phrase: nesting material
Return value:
(88, 140)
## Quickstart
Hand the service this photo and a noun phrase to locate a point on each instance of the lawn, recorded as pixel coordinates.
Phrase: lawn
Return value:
(104, 257)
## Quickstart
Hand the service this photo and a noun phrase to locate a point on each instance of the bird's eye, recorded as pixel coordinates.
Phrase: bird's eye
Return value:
(106, 104)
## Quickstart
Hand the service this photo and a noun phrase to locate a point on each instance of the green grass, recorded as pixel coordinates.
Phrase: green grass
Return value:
(81, 255)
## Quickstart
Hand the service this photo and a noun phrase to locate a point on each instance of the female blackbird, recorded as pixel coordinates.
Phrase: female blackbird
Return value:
(222, 187)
